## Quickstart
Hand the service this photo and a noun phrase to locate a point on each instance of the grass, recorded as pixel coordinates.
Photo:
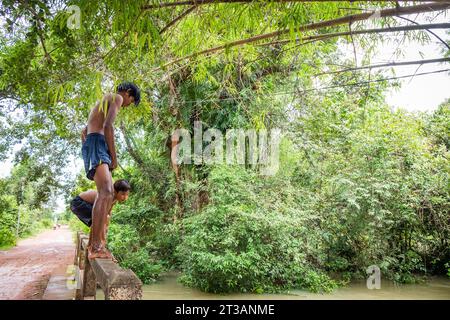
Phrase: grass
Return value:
(7, 247)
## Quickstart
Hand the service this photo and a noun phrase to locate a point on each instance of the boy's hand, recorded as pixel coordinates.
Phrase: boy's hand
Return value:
(83, 135)
(113, 164)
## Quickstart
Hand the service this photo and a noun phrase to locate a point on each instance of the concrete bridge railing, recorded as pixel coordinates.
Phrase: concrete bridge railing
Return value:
(116, 283)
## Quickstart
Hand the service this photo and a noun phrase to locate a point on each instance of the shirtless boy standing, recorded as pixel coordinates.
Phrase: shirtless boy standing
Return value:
(99, 155)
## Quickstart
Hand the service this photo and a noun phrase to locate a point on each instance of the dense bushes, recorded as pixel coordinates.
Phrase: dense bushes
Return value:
(125, 244)
(229, 250)
(235, 244)
(7, 238)
(383, 199)
(8, 220)
(23, 196)
(370, 191)
(31, 222)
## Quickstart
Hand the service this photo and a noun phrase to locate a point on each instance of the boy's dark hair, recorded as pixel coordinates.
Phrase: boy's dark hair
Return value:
(134, 91)
(122, 185)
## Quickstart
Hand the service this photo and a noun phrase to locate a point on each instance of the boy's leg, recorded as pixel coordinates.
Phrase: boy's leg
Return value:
(106, 234)
(102, 204)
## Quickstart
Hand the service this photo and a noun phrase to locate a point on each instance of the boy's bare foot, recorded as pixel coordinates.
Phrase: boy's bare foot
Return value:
(98, 252)
(110, 255)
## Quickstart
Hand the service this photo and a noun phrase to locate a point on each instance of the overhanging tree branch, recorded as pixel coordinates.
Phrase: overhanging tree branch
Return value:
(426, 27)
(409, 20)
(355, 84)
(39, 30)
(125, 35)
(205, 2)
(363, 83)
(391, 64)
(181, 16)
(323, 24)
(312, 39)
(431, 32)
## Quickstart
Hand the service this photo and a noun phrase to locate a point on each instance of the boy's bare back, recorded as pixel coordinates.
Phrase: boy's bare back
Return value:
(97, 119)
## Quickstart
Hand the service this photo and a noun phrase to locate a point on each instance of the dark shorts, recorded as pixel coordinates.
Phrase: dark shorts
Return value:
(95, 152)
(82, 209)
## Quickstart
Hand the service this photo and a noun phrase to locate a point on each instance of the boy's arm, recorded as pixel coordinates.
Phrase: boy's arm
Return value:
(88, 196)
(83, 135)
(114, 103)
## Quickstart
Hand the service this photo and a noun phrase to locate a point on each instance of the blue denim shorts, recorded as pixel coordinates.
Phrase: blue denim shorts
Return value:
(82, 209)
(95, 152)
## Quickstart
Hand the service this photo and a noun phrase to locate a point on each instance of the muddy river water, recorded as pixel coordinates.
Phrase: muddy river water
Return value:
(436, 288)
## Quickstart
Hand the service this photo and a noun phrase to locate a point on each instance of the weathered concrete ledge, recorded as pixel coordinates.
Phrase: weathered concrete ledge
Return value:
(116, 283)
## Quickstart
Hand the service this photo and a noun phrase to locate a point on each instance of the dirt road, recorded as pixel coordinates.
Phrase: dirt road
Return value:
(26, 268)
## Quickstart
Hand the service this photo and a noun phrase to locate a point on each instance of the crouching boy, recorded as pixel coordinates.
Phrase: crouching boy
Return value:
(82, 204)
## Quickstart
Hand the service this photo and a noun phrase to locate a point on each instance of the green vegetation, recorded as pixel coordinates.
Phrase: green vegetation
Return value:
(358, 184)
(23, 204)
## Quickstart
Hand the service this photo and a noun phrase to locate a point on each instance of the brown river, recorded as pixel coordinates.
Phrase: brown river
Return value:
(436, 288)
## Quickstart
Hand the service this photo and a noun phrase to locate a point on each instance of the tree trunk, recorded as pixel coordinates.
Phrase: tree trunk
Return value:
(173, 145)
